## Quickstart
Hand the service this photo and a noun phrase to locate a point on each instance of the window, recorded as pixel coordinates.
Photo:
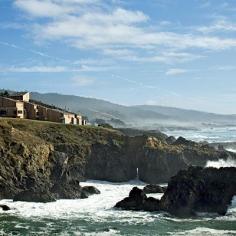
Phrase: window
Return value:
(3, 112)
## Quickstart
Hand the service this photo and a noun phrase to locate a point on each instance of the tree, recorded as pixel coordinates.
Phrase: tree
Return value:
(5, 93)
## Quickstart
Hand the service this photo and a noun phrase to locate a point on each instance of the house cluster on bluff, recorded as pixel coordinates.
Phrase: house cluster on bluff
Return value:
(20, 105)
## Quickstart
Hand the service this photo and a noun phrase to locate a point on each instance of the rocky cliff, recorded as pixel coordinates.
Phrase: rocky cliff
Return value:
(55, 157)
(188, 193)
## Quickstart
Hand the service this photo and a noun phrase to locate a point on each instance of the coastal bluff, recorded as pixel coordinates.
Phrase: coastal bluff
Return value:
(50, 158)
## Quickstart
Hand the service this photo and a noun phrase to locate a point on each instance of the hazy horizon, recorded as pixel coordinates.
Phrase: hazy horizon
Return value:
(64, 94)
(153, 52)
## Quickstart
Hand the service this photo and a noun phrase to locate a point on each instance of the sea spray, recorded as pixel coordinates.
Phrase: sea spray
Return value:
(137, 174)
(231, 149)
(221, 163)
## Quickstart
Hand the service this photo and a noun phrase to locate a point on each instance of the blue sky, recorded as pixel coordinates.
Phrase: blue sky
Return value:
(178, 53)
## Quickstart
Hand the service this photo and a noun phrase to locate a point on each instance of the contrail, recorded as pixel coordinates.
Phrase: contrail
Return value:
(33, 51)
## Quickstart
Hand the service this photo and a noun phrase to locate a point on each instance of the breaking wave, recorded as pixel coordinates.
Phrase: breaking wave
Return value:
(221, 163)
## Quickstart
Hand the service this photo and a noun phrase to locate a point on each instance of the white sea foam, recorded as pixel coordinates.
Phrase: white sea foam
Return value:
(96, 207)
(216, 134)
(231, 150)
(203, 231)
(221, 163)
(99, 209)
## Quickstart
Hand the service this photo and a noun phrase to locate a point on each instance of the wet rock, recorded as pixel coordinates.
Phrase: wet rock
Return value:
(164, 188)
(183, 141)
(69, 189)
(221, 148)
(170, 139)
(90, 190)
(5, 207)
(190, 191)
(153, 188)
(34, 196)
(137, 201)
(200, 190)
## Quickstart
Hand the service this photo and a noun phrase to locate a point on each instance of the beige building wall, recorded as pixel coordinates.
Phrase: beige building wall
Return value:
(23, 97)
(42, 113)
(84, 122)
(70, 118)
(79, 120)
(31, 110)
(11, 108)
(54, 116)
(20, 111)
(25, 109)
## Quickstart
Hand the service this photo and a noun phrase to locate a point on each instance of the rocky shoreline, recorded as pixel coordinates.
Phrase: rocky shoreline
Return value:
(50, 160)
(189, 192)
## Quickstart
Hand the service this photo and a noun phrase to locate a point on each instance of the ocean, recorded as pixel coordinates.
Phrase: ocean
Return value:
(96, 215)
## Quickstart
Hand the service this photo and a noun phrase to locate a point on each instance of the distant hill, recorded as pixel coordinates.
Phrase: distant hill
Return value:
(142, 116)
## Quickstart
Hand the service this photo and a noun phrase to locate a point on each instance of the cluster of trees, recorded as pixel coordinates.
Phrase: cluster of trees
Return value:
(4, 93)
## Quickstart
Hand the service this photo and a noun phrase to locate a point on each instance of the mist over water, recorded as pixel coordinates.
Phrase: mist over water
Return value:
(210, 134)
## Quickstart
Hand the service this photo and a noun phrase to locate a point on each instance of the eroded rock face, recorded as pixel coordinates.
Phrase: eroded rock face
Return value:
(111, 162)
(42, 155)
(153, 188)
(35, 196)
(200, 190)
(190, 191)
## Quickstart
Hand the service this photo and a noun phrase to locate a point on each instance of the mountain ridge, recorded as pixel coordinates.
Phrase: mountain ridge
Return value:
(137, 116)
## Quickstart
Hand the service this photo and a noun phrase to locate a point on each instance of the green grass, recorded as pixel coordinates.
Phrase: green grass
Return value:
(55, 133)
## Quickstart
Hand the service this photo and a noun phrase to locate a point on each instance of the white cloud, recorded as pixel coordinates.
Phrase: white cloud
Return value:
(167, 57)
(33, 69)
(42, 8)
(117, 32)
(51, 8)
(111, 31)
(176, 71)
(83, 81)
(220, 25)
(52, 69)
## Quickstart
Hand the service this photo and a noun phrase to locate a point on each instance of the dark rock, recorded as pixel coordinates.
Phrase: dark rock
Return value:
(200, 190)
(5, 207)
(153, 188)
(190, 191)
(170, 139)
(164, 188)
(183, 141)
(158, 166)
(90, 190)
(68, 190)
(42, 155)
(137, 194)
(34, 196)
(111, 162)
(221, 148)
(137, 201)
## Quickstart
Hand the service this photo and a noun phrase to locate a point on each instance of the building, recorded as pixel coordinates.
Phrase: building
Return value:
(12, 108)
(20, 105)
(22, 96)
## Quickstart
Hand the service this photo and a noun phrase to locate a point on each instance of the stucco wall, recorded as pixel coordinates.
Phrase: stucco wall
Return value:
(11, 108)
